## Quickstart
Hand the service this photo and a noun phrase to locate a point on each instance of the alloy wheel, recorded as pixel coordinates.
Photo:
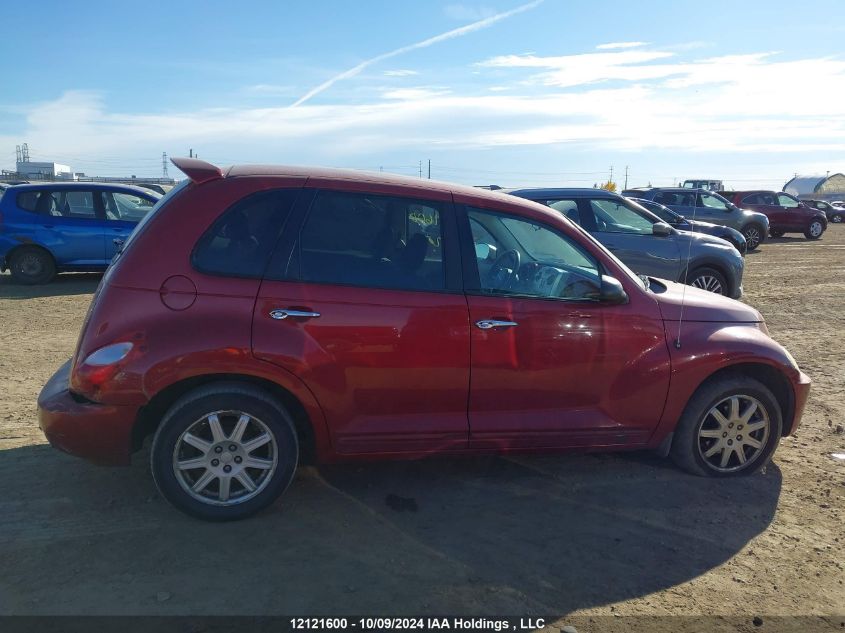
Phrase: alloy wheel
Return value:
(752, 236)
(225, 458)
(816, 229)
(708, 283)
(31, 265)
(734, 433)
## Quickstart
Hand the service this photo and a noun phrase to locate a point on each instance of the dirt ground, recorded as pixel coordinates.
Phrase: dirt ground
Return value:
(589, 535)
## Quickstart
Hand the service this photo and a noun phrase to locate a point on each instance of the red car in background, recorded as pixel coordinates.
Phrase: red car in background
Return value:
(263, 317)
(786, 213)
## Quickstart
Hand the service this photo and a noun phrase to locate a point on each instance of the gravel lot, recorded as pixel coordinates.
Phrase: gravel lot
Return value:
(580, 534)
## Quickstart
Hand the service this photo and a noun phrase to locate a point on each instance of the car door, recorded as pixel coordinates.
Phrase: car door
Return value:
(551, 365)
(122, 211)
(68, 225)
(363, 302)
(628, 234)
(790, 209)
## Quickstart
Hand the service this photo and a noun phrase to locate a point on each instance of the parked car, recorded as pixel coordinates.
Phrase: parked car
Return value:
(272, 316)
(837, 213)
(679, 222)
(54, 227)
(700, 204)
(786, 213)
(710, 185)
(644, 242)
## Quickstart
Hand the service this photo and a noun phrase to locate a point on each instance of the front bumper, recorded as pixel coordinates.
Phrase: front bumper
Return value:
(100, 433)
(801, 387)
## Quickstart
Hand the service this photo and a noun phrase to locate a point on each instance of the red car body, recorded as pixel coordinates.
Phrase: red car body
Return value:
(395, 373)
(786, 213)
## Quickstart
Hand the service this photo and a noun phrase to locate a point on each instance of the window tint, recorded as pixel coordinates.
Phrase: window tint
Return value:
(28, 200)
(241, 239)
(569, 208)
(125, 206)
(612, 216)
(677, 198)
(787, 201)
(373, 241)
(531, 260)
(760, 198)
(70, 204)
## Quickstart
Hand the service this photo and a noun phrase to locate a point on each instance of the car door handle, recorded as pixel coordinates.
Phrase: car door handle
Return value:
(299, 314)
(489, 324)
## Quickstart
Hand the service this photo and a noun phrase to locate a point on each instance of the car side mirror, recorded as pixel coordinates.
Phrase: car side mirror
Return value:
(661, 229)
(612, 291)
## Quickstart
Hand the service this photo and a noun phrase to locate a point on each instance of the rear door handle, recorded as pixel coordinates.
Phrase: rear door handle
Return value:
(300, 314)
(489, 324)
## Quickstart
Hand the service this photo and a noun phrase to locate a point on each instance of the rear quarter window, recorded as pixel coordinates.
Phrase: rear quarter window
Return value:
(241, 240)
(27, 200)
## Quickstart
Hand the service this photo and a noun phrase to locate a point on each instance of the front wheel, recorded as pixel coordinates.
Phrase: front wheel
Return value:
(730, 427)
(710, 280)
(814, 230)
(836, 218)
(753, 234)
(224, 452)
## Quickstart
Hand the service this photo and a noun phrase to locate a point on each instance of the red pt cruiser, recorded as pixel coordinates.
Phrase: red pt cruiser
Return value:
(268, 316)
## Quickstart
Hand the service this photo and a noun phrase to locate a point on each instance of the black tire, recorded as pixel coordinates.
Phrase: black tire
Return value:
(836, 218)
(814, 230)
(194, 408)
(754, 235)
(709, 279)
(687, 451)
(776, 233)
(32, 265)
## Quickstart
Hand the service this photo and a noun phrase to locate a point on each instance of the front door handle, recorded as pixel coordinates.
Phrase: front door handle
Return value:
(300, 314)
(489, 324)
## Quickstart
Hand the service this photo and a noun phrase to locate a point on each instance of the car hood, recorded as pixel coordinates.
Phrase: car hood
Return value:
(701, 224)
(700, 305)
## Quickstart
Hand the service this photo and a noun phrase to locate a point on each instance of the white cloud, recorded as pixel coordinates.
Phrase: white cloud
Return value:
(414, 94)
(400, 73)
(448, 35)
(613, 45)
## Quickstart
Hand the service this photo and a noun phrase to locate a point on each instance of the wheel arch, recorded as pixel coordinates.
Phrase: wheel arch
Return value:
(312, 442)
(28, 245)
(769, 376)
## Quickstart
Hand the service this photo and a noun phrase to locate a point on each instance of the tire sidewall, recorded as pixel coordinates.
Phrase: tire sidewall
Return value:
(759, 230)
(185, 413)
(809, 233)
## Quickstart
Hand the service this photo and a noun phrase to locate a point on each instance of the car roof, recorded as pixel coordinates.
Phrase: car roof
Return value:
(99, 186)
(200, 171)
(572, 192)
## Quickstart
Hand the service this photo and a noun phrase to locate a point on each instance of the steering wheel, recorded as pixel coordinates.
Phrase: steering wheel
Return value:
(503, 272)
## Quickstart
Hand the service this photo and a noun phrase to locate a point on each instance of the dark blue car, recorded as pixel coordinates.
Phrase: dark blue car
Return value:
(55, 227)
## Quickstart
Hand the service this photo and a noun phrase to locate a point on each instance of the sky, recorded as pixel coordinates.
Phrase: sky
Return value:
(507, 92)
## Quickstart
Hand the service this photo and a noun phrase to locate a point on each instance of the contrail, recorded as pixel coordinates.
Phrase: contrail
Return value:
(448, 35)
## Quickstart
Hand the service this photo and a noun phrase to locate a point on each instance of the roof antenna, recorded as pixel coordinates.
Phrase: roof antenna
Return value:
(686, 270)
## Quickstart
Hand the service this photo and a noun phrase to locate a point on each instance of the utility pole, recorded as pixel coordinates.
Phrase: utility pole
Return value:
(626, 177)
(611, 174)
(191, 153)
(420, 170)
(429, 169)
(164, 165)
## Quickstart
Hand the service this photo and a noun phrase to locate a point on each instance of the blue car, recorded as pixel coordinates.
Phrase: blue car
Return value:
(48, 228)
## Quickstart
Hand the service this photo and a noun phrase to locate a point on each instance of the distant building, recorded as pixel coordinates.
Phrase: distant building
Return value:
(47, 171)
(830, 187)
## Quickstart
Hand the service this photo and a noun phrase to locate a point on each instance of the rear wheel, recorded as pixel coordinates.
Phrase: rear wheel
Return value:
(836, 218)
(32, 266)
(730, 427)
(224, 452)
(753, 235)
(709, 279)
(814, 230)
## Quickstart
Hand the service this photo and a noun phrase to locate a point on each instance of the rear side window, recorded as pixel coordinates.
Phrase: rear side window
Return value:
(28, 200)
(760, 198)
(373, 241)
(240, 241)
(675, 198)
(73, 203)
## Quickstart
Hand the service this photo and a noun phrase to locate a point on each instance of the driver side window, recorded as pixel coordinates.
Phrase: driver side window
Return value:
(525, 258)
